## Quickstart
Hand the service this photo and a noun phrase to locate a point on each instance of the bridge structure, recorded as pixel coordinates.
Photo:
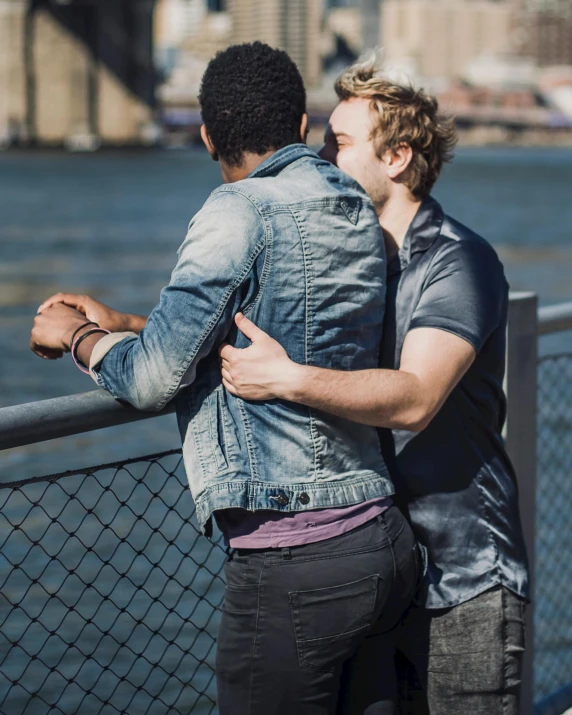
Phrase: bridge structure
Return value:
(77, 72)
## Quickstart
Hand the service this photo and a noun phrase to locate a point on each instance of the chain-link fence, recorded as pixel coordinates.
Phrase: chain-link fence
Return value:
(553, 589)
(109, 598)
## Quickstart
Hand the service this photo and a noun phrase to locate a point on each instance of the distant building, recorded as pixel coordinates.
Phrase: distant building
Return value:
(13, 85)
(175, 21)
(292, 25)
(371, 28)
(441, 38)
(546, 30)
(76, 73)
(343, 27)
(188, 33)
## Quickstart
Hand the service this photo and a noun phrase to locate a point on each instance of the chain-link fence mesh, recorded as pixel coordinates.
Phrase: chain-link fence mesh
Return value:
(553, 589)
(109, 598)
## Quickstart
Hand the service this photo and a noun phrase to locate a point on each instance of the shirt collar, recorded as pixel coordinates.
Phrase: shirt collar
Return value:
(423, 231)
(280, 159)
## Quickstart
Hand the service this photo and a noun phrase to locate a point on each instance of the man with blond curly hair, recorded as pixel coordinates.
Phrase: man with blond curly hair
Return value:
(438, 401)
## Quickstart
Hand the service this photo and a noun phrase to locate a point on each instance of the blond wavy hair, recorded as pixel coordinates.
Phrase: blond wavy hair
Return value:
(404, 115)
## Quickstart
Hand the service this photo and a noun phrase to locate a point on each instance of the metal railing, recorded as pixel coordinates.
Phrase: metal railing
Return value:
(109, 600)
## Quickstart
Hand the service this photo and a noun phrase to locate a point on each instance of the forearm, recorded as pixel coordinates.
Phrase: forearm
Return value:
(86, 347)
(382, 398)
(135, 323)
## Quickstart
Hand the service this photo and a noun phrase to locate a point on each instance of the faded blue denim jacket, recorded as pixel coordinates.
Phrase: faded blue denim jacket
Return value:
(296, 247)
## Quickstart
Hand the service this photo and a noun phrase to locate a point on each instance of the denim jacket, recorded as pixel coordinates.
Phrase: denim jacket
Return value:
(297, 248)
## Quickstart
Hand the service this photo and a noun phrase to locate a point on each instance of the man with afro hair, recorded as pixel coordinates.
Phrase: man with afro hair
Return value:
(324, 565)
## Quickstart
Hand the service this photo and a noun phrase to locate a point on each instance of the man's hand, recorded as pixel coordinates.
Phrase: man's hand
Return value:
(262, 371)
(432, 363)
(99, 313)
(53, 329)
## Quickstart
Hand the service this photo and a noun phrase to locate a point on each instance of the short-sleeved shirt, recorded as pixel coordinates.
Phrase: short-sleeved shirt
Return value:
(454, 479)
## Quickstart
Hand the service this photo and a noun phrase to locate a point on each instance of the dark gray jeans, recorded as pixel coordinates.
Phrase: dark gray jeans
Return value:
(462, 660)
(309, 630)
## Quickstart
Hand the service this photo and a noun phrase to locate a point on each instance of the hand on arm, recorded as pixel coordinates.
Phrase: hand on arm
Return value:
(462, 303)
(61, 315)
(212, 280)
(54, 328)
(262, 371)
(433, 361)
(103, 315)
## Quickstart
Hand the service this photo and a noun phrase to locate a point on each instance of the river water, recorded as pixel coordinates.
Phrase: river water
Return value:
(109, 225)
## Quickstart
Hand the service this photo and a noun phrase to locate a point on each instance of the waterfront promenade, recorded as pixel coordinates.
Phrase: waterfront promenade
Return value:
(110, 597)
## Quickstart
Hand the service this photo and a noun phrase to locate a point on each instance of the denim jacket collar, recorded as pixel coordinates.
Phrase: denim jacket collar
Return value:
(280, 159)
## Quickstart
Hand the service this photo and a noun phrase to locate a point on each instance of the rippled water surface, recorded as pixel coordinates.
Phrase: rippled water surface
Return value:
(109, 225)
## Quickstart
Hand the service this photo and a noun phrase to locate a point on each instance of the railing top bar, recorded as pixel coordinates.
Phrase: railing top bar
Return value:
(64, 416)
(554, 318)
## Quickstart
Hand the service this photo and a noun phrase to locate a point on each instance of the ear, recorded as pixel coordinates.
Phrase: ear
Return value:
(304, 128)
(397, 160)
(208, 143)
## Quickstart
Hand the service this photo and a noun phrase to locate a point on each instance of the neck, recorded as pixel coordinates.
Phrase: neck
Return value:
(395, 217)
(250, 161)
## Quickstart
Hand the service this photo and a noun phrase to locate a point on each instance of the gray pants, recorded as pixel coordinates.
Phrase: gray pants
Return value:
(465, 660)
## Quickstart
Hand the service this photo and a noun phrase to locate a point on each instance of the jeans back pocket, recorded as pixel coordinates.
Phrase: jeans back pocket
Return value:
(331, 622)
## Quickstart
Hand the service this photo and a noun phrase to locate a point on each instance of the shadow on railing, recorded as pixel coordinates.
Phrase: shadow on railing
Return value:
(110, 600)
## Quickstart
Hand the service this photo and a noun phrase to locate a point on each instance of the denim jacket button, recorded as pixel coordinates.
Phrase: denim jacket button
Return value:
(281, 499)
(304, 498)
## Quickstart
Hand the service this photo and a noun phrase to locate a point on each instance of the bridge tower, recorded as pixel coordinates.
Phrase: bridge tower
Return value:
(76, 72)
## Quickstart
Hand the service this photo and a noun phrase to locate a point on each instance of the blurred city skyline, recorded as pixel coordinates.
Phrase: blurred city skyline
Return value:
(85, 72)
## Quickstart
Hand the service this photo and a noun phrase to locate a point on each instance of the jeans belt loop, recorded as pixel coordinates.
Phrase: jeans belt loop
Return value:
(286, 553)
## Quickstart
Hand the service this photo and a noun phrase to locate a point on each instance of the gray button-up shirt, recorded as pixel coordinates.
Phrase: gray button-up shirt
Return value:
(454, 479)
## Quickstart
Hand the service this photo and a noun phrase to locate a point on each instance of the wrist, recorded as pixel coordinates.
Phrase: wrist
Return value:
(292, 381)
(84, 344)
(78, 328)
(133, 323)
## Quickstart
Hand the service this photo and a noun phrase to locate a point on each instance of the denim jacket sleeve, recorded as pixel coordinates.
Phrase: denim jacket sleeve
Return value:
(212, 281)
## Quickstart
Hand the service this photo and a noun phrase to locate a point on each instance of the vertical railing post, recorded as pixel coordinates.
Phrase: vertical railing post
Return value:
(521, 437)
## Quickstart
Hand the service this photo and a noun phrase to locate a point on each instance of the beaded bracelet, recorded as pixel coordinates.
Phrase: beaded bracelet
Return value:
(77, 342)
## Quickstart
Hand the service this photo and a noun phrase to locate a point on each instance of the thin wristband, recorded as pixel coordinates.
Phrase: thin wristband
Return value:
(89, 322)
(76, 344)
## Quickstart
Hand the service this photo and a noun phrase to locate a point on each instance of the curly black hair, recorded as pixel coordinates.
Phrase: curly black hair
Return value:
(252, 100)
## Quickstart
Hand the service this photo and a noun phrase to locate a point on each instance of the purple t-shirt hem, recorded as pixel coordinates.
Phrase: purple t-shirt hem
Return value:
(275, 530)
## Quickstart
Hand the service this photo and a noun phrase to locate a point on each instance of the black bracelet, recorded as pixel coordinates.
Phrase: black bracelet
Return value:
(79, 340)
(89, 322)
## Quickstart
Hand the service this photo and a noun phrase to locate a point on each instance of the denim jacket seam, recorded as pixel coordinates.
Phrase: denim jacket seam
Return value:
(307, 256)
(102, 382)
(220, 410)
(266, 268)
(263, 215)
(249, 445)
(213, 429)
(211, 324)
(319, 486)
(198, 444)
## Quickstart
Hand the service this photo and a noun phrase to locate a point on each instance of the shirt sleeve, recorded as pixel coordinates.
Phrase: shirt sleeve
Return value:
(465, 293)
(212, 281)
